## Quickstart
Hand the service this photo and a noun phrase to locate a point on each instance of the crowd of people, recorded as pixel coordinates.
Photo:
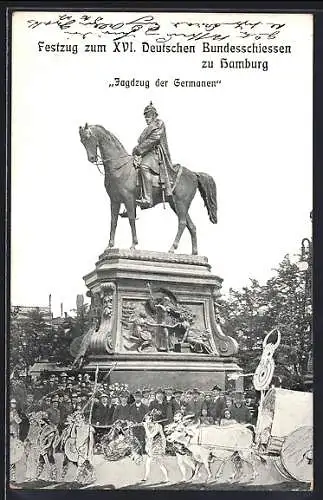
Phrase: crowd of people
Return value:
(59, 395)
(57, 401)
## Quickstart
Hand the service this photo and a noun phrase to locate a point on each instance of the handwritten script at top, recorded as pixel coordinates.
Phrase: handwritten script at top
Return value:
(85, 26)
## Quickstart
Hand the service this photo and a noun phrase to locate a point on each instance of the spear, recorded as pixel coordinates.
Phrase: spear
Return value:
(94, 391)
(87, 466)
(91, 399)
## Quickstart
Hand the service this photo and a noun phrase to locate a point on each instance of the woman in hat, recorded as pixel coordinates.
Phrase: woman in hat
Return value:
(155, 443)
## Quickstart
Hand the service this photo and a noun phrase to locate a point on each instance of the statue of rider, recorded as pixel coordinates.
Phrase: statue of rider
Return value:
(151, 156)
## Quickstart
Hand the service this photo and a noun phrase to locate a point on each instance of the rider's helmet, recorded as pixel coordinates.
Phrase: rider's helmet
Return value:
(150, 109)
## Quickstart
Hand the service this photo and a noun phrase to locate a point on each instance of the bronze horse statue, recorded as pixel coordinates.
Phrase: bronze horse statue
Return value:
(120, 180)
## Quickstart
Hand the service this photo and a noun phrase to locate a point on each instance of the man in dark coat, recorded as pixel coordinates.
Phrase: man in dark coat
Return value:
(159, 404)
(240, 412)
(197, 404)
(102, 412)
(169, 406)
(152, 149)
(217, 405)
(137, 412)
(122, 411)
(189, 404)
(178, 404)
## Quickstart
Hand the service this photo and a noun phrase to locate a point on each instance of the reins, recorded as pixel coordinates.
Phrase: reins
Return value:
(100, 161)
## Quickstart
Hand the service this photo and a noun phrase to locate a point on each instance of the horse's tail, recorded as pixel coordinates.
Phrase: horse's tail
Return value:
(207, 190)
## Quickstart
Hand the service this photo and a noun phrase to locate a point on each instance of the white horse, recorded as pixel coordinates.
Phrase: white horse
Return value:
(205, 443)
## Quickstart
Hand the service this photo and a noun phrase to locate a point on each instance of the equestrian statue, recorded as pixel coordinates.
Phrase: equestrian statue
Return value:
(147, 177)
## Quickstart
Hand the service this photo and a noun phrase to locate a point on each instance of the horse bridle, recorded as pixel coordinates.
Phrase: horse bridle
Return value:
(99, 161)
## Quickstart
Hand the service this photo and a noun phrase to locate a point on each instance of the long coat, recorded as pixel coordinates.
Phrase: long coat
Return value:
(170, 410)
(153, 147)
(121, 413)
(216, 408)
(241, 414)
(102, 415)
(136, 414)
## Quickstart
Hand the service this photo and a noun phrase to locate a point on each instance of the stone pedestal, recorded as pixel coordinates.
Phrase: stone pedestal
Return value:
(154, 321)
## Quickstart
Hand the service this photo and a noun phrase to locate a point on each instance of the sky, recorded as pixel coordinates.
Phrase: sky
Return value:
(252, 133)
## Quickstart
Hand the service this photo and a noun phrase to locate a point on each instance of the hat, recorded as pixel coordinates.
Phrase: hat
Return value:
(137, 393)
(124, 394)
(63, 374)
(159, 391)
(146, 390)
(196, 391)
(178, 391)
(103, 395)
(74, 395)
(150, 109)
(169, 389)
(216, 388)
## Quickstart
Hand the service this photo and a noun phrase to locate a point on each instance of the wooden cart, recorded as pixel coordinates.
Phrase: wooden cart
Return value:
(285, 431)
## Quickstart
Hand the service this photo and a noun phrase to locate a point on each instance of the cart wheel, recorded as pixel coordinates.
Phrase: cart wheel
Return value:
(297, 454)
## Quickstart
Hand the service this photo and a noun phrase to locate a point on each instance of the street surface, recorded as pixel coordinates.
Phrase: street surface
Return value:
(125, 474)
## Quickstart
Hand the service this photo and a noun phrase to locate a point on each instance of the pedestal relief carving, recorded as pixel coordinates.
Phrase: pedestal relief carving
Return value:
(103, 313)
(161, 324)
